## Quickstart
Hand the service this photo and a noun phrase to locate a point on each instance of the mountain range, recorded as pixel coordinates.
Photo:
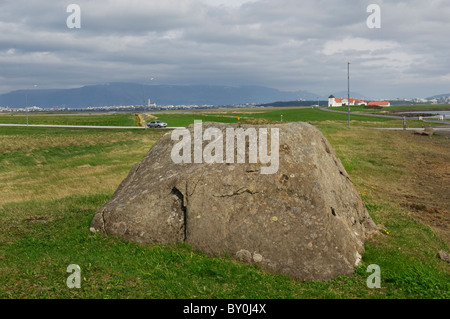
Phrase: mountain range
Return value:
(119, 93)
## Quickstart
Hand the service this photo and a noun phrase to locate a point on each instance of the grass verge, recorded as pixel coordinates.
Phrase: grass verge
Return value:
(53, 181)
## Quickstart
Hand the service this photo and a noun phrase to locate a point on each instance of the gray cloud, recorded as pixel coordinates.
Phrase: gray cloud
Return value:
(289, 44)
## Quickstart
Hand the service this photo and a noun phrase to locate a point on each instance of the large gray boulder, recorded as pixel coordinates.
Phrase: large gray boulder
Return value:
(303, 218)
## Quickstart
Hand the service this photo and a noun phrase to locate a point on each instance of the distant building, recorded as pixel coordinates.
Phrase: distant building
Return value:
(334, 101)
(379, 103)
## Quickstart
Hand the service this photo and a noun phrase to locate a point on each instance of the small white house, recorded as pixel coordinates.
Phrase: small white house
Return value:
(333, 102)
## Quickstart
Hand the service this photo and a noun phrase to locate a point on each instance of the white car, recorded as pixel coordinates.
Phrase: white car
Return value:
(156, 124)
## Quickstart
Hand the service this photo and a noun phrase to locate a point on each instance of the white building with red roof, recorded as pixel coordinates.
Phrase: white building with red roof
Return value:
(379, 103)
(335, 102)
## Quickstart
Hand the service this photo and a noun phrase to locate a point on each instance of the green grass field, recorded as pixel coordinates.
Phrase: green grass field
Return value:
(118, 119)
(307, 114)
(52, 181)
(272, 114)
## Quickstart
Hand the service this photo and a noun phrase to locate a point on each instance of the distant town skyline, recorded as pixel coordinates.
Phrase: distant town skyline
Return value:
(401, 51)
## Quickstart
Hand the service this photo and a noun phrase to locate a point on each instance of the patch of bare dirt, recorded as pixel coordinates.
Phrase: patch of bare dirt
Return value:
(437, 218)
(429, 197)
(37, 219)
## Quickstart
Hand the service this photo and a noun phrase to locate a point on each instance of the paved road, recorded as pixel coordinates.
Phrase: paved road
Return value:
(84, 126)
(363, 114)
(441, 129)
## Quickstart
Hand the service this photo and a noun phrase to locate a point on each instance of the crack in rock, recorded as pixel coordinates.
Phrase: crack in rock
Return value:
(238, 192)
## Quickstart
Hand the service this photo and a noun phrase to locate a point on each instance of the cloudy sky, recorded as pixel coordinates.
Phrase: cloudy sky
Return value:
(283, 44)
